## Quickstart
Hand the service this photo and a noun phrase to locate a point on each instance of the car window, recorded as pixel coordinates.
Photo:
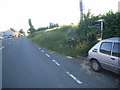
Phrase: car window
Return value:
(116, 50)
(106, 48)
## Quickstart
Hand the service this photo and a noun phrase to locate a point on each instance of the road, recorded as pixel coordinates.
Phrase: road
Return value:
(26, 65)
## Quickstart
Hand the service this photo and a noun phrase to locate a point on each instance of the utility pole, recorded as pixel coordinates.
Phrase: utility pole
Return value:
(119, 6)
(81, 10)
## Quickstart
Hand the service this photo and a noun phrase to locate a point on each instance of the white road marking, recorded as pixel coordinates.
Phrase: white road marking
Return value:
(69, 57)
(47, 55)
(78, 81)
(39, 48)
(67, 72)
(2, 48)
(42, 50)
(53, 60)
(52, 52)
(73, 77)
(56, 62)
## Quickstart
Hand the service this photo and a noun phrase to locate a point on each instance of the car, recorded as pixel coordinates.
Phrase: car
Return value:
(10, 36)
(5, 36)
(1, 37)
(105, 55)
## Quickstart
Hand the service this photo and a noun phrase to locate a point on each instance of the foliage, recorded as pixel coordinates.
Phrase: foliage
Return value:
(77, 40)
(21, 31)
(31, 30)
(42, 28)
(52, 25)
(112, 25)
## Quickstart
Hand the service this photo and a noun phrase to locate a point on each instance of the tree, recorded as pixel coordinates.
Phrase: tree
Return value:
(86, 29)
(42, 28)
(21, 31)
(52, 25)
(112, 25)
(31, 29)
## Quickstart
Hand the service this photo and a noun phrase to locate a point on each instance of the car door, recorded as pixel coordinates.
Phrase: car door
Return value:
(115, 57)
(105, 54)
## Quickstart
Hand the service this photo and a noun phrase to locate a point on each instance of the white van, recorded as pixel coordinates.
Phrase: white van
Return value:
(106, 54)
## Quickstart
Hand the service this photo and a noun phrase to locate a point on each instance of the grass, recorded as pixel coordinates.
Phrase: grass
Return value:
(61, 40)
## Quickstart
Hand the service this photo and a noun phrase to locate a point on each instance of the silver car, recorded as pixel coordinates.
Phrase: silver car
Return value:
(106, 54)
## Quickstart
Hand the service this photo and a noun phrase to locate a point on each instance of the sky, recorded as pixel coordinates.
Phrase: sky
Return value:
(15, 13)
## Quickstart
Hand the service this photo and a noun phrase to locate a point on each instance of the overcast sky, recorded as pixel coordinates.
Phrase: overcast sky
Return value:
(15, 13)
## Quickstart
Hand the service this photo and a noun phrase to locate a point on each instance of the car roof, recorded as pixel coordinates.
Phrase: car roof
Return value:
(114, 39)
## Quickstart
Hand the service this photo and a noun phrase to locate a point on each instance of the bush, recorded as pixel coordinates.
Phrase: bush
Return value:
(77, 40)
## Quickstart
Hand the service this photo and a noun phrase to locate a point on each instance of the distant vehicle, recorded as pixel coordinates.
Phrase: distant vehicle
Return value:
(10, 36)
(1, 37)
(105, 54)
(5, 36)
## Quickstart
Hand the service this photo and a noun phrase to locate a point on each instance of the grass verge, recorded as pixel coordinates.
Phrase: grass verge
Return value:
(61, 40)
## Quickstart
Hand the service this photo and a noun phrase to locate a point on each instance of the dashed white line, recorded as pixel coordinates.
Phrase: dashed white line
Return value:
(68, 73)
(38, 46)
(52, 52)
(42, 50)
(47, 55)
(56, 62)
(53, 60)
(73, 77)
(78, 81)
(2, 48)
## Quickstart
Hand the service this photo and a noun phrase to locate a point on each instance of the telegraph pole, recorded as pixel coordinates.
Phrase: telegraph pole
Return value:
(81, 10)
(119, 6)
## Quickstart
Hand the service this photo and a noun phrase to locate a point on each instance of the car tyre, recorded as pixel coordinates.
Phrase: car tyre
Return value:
(95, 65)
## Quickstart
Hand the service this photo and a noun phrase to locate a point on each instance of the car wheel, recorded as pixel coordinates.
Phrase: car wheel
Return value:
(95, 65)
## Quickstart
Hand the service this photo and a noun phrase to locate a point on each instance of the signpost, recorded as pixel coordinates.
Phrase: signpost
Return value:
(100, 23)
